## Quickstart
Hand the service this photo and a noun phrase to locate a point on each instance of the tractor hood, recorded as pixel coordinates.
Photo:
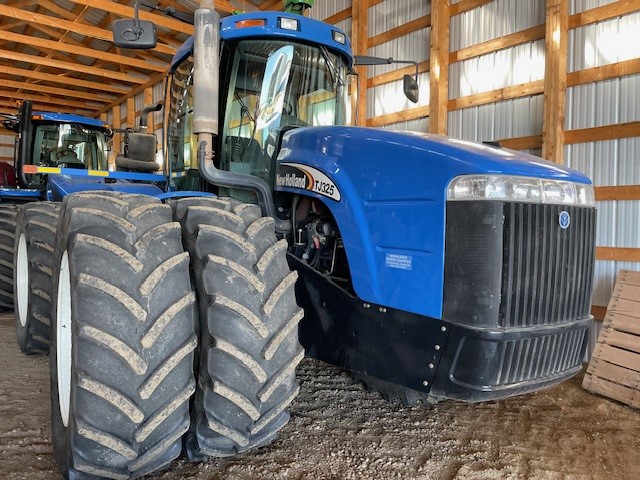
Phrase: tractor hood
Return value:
(387, 192)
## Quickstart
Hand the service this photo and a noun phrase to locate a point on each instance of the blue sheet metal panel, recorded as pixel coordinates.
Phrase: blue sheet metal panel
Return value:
(62, 185)
(310, 30)
(392, 196)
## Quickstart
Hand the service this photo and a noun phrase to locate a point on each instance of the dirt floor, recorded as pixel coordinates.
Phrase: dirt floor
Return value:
(339, 431)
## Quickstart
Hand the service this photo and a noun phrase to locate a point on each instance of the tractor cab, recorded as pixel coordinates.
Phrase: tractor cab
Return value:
(47, 139)
(270, 83)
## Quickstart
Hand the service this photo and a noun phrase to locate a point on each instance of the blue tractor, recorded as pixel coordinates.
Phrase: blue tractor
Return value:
(431, 267)
(56, 155)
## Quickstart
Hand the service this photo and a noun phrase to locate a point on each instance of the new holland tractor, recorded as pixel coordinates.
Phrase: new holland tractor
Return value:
(43, 140)
(431, 267)
(56, 155)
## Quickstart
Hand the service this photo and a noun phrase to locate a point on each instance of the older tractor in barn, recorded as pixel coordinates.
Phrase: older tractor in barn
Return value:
(431, 267)
(57, 154)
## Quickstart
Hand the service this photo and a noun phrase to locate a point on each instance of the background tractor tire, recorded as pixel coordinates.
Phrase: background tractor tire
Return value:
(35, 238)
(248, 320)
(8, 214)
(122, 337)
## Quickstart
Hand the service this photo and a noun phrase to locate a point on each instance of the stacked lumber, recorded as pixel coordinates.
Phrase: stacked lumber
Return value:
(614, 369)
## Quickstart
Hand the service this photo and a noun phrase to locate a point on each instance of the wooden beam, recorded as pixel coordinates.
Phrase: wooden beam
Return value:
(55, 101)
(74, 67)
(555, 80)
(12, 108)
(396, 75)
(84, 51)
(132, 92)
(522, 143)
(128, 12)
(21, 72)
(439, 72)
(490, 46)
(396, 117)
(95, 97)
(400, 31)
(269, 4)
(605, 12)
(466, 5)
(81, 29)
(339, 17)
(619, 192)
(618, 254)
(506, 93)
(598, 312)
(605, 72)
(359, 35)
(606, 132)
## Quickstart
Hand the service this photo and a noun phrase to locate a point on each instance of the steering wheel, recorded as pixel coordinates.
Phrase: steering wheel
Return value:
(65, 152)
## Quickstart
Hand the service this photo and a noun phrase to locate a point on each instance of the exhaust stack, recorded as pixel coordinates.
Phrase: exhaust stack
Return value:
(206, 75)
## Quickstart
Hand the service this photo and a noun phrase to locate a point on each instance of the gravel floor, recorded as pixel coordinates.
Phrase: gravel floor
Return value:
(339, 431)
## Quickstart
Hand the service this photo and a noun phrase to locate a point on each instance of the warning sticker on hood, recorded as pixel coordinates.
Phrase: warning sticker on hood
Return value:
(295, 175)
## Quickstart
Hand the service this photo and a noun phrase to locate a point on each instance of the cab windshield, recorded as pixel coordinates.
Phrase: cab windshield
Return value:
(69, 145)
(272, 86)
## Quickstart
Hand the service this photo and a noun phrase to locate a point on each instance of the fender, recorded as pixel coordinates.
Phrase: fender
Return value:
(58, 186)
(387, 193)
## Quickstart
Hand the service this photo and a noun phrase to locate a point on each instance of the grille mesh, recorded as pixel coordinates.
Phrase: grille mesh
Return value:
(547, 270)
(539, 357)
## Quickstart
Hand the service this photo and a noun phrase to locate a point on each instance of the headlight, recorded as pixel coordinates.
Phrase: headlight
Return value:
(520, 189)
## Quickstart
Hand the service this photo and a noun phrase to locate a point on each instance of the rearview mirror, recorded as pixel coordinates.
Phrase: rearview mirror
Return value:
(134, 33)
(411, 90)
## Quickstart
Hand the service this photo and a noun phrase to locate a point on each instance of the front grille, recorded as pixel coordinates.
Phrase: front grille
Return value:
(539, 357)
(547, 271)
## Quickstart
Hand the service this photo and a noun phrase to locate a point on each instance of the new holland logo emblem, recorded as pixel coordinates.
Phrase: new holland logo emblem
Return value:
(564, 219)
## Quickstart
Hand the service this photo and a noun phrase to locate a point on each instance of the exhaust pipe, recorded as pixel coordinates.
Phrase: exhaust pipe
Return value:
(206, 74)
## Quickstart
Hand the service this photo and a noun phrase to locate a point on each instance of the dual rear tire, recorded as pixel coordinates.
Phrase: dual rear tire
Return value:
(136, 367)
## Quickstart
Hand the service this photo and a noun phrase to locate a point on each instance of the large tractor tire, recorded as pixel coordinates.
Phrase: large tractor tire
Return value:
(248, 320)
(122, 337)
(8, 214)
(35, 239)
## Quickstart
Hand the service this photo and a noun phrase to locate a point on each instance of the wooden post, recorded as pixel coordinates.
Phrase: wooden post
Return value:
(439, 66)
(359, 33)
(148, 100)
(131, 112)
(555, 80)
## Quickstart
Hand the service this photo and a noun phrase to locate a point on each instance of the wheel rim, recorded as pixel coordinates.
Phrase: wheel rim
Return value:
(64, 339)
(22, 280)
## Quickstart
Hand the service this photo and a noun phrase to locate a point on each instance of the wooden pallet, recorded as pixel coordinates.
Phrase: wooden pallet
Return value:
(614, 369)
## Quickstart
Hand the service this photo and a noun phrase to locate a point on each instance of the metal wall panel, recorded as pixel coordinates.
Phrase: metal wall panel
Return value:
(419, 125)
(389, 14)
(494, 20)
(326, 8)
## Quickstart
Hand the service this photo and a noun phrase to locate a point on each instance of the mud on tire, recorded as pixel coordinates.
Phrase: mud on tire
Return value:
(7, 238)
(34, 241)
(122, 337)
(248, 320)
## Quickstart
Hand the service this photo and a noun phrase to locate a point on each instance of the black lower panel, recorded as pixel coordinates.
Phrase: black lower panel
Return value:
(391, 345)
(481, 365)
